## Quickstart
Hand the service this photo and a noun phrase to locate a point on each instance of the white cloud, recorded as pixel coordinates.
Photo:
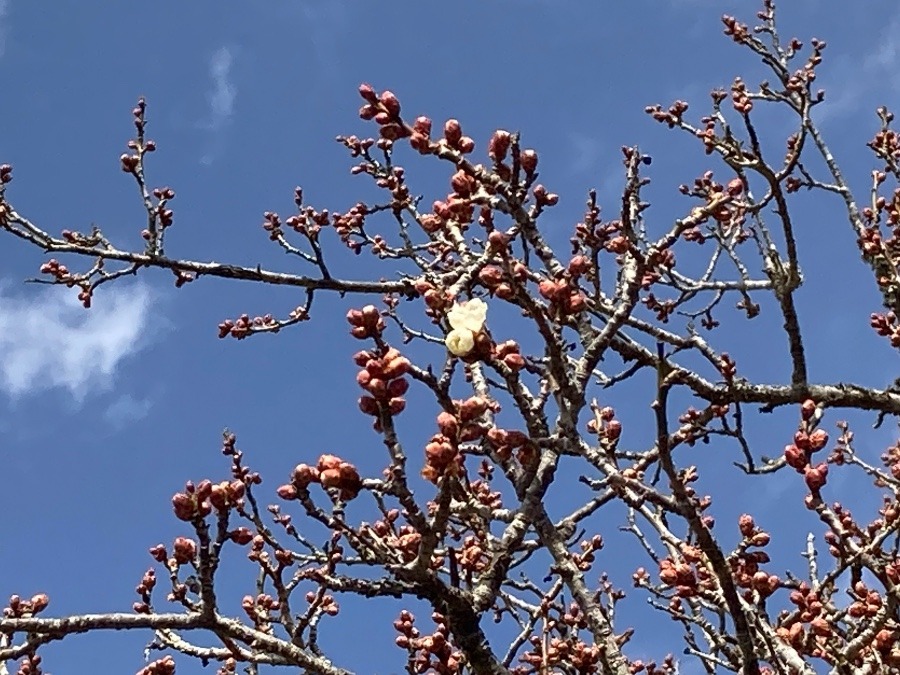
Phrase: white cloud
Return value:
(221, 99)
(49, 341)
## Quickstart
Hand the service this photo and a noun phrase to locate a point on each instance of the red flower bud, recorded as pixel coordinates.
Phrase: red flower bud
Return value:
(241, 536)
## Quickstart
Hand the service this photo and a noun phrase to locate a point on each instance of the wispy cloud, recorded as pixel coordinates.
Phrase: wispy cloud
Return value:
(854, 79)
(4, 10)
(49, 341)
(221, 99)
(125, 410)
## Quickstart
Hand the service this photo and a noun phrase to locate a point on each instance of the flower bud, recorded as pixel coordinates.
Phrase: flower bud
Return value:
(452, 132)
(390, 102)
(529, 161)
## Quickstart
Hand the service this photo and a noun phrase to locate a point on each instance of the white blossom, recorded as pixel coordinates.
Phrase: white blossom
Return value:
(460, 341)
(467, 320)
(468, 315)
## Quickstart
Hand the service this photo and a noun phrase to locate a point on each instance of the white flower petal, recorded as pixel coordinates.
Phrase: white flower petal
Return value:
(469, 315)
(460, 341)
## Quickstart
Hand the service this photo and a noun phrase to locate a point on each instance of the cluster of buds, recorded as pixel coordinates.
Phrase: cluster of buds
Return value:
(455, 210)
(658, 261)
(326, 604)
(473, 556)
(357, 147)
(436, 300)
(595, 235)
(740, 97)
(62, 276)
(199, 501)
(663, 308)
(870, 241)
(244, 325)
(745, 564)
(589, 548)
(163, 214)
(454, 138)
(688, 575)
(544, 198)
(309, 221)
(350, 223)
(385, 110)
(193, 503)
(497, 282)
(260, 609)
(17, 608)
(672, 116)
(366, 322)
(506, 441)
(58, 271)
(420, 139)
(887, 326)
(330, 471)
(680, 576)
(669, 666)
(557, 652)
(891, 459)
(510, 354)
(430, 653)
(482, 492)
(144, 589)
(810, 611)
(405, 539)
(258, 553)
(184, 552)
(808, 440)
(163, 666)
(499, 146)
(462, 425)
(131, 162)
(727, 367)
(867, 603)
(606, 426)
(383, 380)
(565, 297)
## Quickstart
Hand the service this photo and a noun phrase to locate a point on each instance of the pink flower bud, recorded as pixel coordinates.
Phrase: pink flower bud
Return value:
(452, 132)
(368, 405)
(499, 145)
(529, 161)
(422, 125)
(390, 102)
(368, 93)
(287, 492)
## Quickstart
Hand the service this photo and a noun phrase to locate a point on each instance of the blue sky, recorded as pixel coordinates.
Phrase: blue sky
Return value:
(104, 414)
